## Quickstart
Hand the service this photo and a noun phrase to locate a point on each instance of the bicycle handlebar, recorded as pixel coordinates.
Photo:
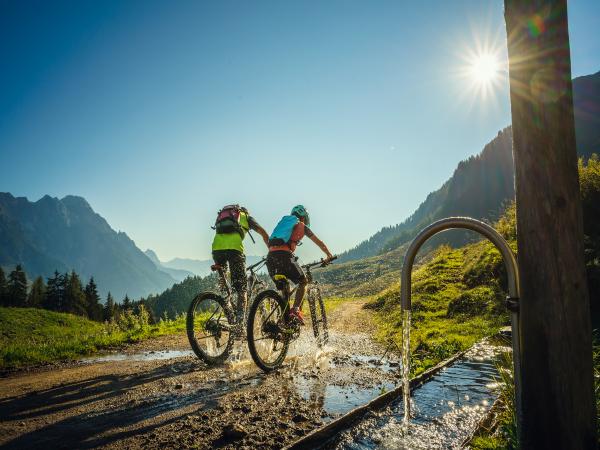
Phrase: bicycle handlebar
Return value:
(321, 263)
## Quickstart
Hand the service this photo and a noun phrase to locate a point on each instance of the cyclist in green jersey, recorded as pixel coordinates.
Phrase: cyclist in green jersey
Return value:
(232, 225)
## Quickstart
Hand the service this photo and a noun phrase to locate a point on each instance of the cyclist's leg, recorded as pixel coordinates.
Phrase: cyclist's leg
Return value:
(300, 293)
(220, 257)
(288, 266)
(237, 266)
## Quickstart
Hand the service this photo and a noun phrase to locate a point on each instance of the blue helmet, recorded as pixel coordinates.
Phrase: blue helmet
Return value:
(301, 212)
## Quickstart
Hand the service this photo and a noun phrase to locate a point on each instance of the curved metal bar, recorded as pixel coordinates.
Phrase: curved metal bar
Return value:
(512, 271)
(466, 223)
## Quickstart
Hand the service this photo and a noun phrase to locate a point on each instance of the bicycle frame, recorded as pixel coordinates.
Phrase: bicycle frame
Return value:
(287, 292)
(254, 283)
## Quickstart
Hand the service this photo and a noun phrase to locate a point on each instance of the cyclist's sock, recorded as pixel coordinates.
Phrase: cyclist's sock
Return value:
(296, 315)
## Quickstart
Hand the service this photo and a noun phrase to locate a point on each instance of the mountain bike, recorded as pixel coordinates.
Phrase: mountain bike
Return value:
(270, 330)
(215, 321)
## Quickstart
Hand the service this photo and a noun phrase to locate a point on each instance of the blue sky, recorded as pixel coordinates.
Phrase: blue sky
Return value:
(158, 113)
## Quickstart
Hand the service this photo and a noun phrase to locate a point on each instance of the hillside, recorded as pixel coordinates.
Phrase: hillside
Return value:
(67, 234)
(586, 98)
(369, 276)
(482, 185)
(32, 336)
(177, 298)
(458, 298)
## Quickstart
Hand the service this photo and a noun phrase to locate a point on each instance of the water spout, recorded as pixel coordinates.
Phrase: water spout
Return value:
(510, 263)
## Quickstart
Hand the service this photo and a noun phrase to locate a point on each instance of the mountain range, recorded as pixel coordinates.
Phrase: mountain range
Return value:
(177, 274)
(67, 234)
(482, 185)
(181, 268)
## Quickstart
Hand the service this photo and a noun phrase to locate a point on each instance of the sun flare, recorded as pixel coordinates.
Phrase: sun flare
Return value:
(484, 68)
(482, 71)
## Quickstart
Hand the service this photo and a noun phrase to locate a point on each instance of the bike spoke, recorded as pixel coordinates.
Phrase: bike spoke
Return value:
(267, 332)
(270, 314)
(211, 327)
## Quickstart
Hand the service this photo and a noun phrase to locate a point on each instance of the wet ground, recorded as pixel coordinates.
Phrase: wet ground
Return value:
(157, 394)
(446, 409)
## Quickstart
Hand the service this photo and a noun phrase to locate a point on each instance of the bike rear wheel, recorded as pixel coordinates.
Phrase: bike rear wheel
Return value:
(268, 339)
(318, 317)
(209, 328)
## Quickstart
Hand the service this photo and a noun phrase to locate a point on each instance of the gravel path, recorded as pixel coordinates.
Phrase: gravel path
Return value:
(143, 401)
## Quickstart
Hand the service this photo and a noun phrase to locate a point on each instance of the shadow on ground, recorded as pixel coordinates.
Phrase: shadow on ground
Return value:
(98, 426)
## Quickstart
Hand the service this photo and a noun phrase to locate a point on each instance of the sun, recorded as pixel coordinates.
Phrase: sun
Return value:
(480, 69)
(484, 68)
(483, 72)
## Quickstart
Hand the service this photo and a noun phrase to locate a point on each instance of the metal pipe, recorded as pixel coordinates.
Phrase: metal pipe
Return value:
(512, 271)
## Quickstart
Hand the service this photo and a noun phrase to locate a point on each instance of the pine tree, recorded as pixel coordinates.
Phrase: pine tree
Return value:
(3, 288)
(17, 287)
(37, 294)
(55, 293)
(151, 317)
(94, 308)
(61, 286)
(126, 303)
(109, 308)
(53, 300)
(75, 301)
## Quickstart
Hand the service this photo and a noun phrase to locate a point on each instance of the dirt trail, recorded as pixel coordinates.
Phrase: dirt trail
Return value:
(139, 402)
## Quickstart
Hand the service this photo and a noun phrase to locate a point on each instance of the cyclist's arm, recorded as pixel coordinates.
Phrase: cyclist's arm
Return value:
(260, 230)
(313, 237)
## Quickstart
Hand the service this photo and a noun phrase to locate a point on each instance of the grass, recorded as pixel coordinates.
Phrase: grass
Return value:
(35, 336)
(333, 303)
(504, 436)
(30, 336)
(457, 299)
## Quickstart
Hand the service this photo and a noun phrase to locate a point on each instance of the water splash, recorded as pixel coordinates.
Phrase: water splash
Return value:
(406, 364)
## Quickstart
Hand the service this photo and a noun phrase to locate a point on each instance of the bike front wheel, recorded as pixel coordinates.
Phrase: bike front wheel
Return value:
(268, 335)
(209, 328)
(318, 317)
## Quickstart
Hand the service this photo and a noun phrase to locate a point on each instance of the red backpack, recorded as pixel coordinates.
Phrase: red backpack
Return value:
(228, 221)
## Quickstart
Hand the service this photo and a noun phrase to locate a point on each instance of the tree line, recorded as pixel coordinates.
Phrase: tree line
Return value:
(64, 292)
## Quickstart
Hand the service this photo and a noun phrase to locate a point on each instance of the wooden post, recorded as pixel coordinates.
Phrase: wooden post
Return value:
(558, 406)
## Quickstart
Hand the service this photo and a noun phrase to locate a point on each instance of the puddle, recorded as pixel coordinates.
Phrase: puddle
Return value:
(370, 361)
(336, 381)
(239, 356)
(142, 356)
(446, 409)
(337, 400)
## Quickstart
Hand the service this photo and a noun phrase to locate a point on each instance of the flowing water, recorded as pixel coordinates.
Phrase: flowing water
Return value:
(446, 409)
(406, 364)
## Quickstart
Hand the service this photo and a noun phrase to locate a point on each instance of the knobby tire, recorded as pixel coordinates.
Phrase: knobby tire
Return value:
(211, 360)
